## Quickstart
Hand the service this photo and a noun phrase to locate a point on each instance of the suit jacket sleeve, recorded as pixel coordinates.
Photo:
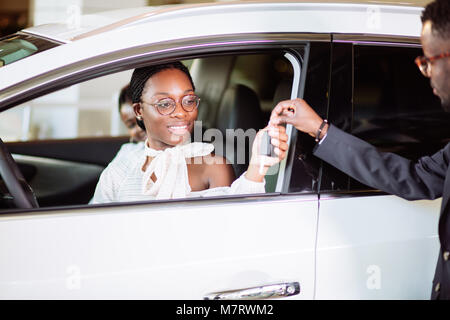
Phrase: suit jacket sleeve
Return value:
(389, 172)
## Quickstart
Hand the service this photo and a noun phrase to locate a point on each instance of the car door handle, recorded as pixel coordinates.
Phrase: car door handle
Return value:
(278, 290)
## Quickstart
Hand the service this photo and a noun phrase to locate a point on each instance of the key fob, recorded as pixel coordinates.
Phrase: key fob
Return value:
(266, 148)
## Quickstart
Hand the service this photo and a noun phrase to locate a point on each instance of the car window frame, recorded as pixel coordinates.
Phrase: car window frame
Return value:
(353, 40)
(175, 50)
(136, 57)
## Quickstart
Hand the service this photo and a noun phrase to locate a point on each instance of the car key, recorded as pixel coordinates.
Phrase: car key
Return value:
(266, 148)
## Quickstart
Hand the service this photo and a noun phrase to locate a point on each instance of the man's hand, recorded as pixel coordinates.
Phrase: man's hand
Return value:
(299, 114)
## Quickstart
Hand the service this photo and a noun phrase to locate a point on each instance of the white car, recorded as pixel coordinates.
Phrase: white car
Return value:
(315, 233)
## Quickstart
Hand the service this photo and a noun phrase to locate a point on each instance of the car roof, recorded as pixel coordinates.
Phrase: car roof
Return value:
(133, 28)
(98, 22)
(92, 24)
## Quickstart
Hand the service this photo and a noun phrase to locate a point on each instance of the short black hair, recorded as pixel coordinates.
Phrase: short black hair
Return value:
(124, 96)
(438, 12)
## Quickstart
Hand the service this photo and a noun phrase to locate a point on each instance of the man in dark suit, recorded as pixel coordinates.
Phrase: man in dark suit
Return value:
(427, 178)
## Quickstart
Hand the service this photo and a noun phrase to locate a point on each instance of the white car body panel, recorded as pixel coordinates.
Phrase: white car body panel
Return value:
(389, 255)
(156, 251)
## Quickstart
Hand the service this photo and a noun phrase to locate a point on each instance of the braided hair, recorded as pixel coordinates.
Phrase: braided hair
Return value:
(438, 12)
(141, 75)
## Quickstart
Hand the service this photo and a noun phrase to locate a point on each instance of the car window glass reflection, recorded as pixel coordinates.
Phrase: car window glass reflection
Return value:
(394, 106)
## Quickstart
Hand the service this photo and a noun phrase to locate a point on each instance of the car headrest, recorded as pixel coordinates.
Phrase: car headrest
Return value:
(282, 92)
(239, 108)
(211, 77)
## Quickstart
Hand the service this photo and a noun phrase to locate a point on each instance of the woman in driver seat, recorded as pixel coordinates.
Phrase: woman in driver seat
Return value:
(170, 166)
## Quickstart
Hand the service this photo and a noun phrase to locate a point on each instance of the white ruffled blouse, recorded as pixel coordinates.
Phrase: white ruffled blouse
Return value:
(123, 179)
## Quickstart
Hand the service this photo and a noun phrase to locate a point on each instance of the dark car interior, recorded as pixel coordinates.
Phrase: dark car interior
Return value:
(64, 172)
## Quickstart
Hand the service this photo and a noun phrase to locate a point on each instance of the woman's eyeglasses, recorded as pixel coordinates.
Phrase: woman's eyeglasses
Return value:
(167, 105)
(424, 63)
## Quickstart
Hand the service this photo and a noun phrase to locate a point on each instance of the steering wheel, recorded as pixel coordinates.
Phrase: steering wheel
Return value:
(20, 190)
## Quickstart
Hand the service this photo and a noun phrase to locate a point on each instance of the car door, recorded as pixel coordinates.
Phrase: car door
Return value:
(181, 250)
(372, 245)
(175, 249)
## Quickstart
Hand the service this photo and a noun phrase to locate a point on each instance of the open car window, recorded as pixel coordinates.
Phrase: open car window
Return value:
(62, 141)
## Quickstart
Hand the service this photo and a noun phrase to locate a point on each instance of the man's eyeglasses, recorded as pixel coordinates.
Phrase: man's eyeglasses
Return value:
(424, 63)
(167, 105)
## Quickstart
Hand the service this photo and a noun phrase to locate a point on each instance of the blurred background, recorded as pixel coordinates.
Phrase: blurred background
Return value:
(19, 14)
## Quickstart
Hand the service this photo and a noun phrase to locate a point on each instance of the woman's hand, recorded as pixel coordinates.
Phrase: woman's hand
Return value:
(299, 114)
(259, 164)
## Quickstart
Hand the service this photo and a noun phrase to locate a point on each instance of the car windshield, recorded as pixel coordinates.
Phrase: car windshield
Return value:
(18, 46)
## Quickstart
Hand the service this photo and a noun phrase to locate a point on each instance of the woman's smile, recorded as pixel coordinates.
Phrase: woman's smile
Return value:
(180, 129)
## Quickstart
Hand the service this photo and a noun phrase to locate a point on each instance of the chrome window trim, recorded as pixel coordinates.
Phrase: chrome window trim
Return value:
(136, 56)
(298, 89)
(334, 195)
(377, 39)
(289, 129)
(117, 207)
(24, 32)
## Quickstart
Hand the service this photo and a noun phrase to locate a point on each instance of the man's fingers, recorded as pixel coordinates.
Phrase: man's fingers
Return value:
(285, 105)
(277, 120)
(281, 106)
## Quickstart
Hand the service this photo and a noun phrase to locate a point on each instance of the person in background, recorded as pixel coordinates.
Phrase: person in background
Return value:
(137, 134)
(427, 178)
(128, 117)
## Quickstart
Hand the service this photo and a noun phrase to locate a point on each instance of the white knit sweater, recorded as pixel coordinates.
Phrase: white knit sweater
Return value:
(122, 180)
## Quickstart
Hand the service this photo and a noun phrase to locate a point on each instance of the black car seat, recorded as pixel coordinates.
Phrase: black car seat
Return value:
(239, 111)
